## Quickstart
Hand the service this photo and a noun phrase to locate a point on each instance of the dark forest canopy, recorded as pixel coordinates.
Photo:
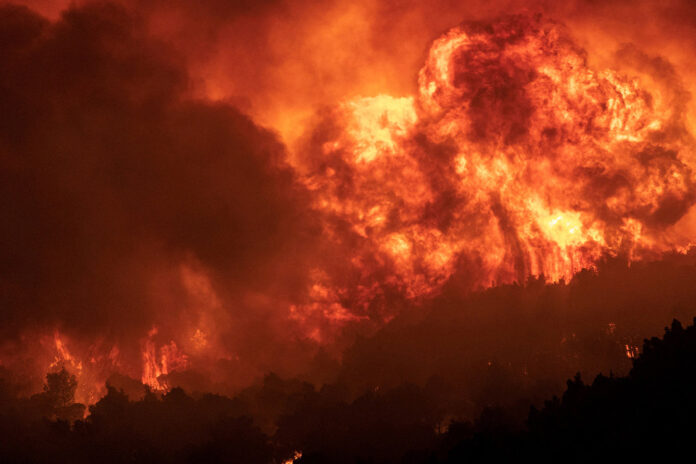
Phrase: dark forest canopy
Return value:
(618, 416)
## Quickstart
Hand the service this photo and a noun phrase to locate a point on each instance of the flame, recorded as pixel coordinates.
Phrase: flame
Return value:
(632, 351)
(158, 363)
(515, 155)
(91, 365)
(63, 358)
(296, 456)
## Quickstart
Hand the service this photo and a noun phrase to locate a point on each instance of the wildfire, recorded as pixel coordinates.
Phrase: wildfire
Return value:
(514, 158)
(91, 365)
(63, 358)
(515, 155)
(632, 351)
(155, 366)
(296, 456)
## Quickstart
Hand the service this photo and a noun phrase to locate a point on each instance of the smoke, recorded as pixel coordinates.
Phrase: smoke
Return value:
(126, 206)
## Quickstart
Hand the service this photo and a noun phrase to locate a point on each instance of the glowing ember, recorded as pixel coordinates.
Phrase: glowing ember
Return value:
(297, 455)
(632, 351)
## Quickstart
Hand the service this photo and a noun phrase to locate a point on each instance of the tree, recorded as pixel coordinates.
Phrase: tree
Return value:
(60, 388)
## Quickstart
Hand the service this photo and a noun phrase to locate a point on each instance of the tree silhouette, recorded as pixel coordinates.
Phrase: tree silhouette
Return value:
(60, 388)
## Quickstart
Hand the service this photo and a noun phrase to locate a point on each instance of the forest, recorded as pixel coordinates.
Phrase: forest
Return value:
(648, 409)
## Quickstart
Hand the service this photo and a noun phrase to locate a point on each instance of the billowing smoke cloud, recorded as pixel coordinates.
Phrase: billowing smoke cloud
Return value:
(282, 58)
(126, 206)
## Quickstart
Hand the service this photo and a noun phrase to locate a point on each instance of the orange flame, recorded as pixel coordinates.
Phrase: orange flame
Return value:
(154, 367)
(91, 365)
(515, 155)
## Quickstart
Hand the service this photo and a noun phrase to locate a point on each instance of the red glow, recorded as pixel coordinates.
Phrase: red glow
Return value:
(176, 236)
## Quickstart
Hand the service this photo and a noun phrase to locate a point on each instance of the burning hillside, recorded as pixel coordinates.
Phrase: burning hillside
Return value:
(515, 159)
(172, 220)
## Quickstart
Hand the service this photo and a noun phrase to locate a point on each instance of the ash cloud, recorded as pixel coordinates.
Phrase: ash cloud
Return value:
(112, 181)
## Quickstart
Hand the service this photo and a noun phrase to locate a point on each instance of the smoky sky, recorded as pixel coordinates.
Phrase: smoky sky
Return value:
(110, 180)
